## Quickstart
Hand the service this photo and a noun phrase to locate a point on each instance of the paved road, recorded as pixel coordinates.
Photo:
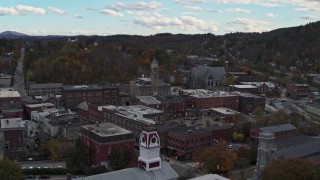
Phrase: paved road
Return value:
(19, 84)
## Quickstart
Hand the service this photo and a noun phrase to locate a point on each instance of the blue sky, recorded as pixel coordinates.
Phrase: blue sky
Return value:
(145, 17)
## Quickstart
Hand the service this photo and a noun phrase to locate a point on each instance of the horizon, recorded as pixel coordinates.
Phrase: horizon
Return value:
(145, 17)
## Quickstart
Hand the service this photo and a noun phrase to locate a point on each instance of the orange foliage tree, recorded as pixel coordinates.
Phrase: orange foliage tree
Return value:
(217, 158)
(292, 169)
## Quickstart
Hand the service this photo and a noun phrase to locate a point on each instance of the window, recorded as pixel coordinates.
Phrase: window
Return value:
(109, 149)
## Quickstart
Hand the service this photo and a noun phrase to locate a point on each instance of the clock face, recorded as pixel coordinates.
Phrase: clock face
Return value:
(154, 141)
(143, 140)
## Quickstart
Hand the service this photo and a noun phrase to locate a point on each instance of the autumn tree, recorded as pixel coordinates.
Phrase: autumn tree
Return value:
(10, 170)
(217, 158)
(290, 169)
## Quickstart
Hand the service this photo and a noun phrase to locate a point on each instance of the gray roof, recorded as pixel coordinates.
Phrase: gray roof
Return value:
(302, 150)
(210, 177)
(164, 173)
(201, 72)
(46, 85)
(294, 141)
(278, 128)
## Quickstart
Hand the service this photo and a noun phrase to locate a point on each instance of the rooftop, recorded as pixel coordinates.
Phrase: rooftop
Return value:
(258, 84)
(10, 94)
(278, 128)
(148, 100)
(225, 111)
(12, 123)
(244, 86)
(137, 113)
(46, 85)
(165, 172)
(203, 93)
(210, 177)
(106, 129)
(40, 105)
(86, 87)
(301, 150)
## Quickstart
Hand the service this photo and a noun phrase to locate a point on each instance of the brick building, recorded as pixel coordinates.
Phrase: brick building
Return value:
(133, 118)
(223, 113)
(13, 131)
(283, 131)
(14, 110)
(185, 142)
(7, 97)
(71, 96)
(102, 139)
(298, 90)
(249, 102)
(35, 89)
(267, 89)
(204, 99)
(28, 108)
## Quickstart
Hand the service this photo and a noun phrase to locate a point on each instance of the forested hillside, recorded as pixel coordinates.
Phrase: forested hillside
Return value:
(121, 58)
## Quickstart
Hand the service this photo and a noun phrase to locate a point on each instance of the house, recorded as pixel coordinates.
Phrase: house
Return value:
(282, 131)
(102, 139)
(205, 77)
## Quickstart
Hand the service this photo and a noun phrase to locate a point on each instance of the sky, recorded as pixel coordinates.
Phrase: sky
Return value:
(148, 17)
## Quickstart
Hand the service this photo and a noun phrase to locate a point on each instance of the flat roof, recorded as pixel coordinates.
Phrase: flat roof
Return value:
(46, 85)
(148, 99)
(278, 128)
(244, 86)
(106, 129)
(39, 105)
(12, 123)
(203, 93)
(226, 111)
(4, 94)
(137, 113)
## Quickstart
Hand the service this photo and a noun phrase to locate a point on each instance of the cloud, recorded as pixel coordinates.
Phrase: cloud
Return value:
(57, 10)
(271, 15)
(214, 11)
(34, 10)
(194, 8)
(138, 5)
(187, 23)
(310, 9)
(309, 17)
(111, 12)
(251, 25)
(238, 10)
(78, 16)
(90, 9)
(186, 2)
(8, 11)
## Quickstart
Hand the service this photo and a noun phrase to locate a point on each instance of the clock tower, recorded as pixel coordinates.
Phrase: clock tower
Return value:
(154, 76)
(149, 143)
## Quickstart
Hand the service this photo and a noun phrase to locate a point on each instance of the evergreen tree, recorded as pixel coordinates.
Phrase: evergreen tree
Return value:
(118, 160)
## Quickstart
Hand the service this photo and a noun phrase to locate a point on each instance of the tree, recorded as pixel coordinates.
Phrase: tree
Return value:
(79, 158)
(118, 160)
(217, 158)
(10, 170)
(292, 169)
